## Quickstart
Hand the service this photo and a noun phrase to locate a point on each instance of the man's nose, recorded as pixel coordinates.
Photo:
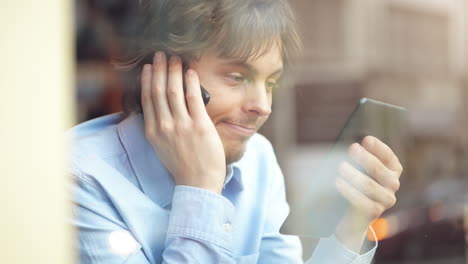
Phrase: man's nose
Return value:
(258, 100)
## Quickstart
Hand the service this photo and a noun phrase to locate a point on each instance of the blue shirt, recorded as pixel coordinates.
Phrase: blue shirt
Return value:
(127, 208)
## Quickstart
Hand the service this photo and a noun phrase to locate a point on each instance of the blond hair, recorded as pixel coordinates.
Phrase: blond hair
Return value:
(241, 29)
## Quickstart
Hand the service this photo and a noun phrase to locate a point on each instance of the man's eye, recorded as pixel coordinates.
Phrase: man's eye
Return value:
(237, 78)
(270, 86)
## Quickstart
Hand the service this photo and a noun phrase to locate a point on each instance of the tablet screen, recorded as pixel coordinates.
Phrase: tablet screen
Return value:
(317, 212)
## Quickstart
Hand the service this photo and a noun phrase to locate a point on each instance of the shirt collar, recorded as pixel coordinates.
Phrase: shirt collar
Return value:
(155, 180)
(234, 176)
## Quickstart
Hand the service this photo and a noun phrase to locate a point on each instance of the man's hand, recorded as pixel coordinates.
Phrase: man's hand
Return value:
(178, 126)
(370, 194)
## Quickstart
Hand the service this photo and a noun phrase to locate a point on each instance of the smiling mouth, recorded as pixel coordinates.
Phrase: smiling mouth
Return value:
(241, 130)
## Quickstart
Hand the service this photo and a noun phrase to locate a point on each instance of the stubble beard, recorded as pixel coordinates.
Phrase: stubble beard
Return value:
(234, 153)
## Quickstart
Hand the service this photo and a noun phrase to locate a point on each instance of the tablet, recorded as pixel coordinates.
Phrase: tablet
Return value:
(317, 212)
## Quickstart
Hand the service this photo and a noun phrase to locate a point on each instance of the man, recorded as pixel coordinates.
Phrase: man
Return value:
(173, 181)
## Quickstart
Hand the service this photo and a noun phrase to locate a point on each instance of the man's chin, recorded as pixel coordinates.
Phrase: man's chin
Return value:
(233, 157)
(234, 153)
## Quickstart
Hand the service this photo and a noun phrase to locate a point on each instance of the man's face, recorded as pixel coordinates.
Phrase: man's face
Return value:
(240, 95)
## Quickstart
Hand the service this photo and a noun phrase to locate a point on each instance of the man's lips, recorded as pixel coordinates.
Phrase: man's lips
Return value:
(240, 129)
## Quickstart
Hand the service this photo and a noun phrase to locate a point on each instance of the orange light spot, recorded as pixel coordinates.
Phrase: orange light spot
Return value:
(380, 227)
(436, 212)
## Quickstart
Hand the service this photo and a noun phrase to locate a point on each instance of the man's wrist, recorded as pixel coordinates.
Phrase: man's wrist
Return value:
(201, 214)
(351, 232)
(206, 187)
(213, 182)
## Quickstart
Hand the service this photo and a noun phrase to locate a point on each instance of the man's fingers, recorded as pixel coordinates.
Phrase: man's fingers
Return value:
(158, 88)
(358, 200)
(366, 185)
(374, 167)
(195, 104)
(146, 99)
(175, 91)
(383, 152)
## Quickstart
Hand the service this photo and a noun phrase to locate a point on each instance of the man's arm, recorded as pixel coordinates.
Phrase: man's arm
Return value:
(196, 231)
(371, 192)
(279, 248)
(198, 228)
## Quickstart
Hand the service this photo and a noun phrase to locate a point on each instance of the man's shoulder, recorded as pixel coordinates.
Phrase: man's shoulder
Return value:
(260, 144)
(95, 125)
(97, 137)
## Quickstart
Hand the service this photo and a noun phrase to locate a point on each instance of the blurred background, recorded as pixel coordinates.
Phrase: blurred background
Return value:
(412, 53)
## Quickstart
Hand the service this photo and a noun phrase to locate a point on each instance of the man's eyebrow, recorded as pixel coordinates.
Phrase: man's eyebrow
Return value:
(250, 67)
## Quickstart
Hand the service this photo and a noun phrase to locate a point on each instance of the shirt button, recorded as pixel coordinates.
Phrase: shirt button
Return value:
(227, 228)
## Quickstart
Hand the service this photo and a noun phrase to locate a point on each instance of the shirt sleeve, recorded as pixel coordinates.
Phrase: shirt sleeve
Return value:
(280, 248)
(102, 235)
(199, 228)
(331, 251)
